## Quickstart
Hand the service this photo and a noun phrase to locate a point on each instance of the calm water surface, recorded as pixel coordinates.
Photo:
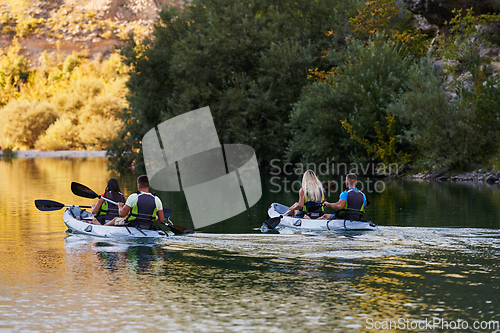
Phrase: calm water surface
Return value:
(434, 258)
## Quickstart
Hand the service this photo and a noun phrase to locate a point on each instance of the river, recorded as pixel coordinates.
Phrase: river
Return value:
(431, 266)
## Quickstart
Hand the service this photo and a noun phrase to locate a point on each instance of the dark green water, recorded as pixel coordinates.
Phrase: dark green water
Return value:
(431, 266)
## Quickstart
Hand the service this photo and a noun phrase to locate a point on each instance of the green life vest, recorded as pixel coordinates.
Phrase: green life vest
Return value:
(313, 206)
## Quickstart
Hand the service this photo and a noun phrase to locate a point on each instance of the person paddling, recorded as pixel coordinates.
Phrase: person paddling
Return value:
(351, 204)
(103, 210)
(141, 208)
(311, 198)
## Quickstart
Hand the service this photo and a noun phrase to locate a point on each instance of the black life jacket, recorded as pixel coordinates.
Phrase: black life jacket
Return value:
(354, 207)
(143, 214)
(109, 210)
(313, 208)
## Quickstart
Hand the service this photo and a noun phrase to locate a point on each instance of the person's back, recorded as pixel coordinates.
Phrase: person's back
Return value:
(143, 212)
(109, 210)
(141, 208)
(105, 211)
(313, 205)
(352, 201)
(311, 197)
(354, 206)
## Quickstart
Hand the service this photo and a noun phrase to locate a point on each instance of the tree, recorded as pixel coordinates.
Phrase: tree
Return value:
(359, 91)
(247, 60)
(442, 130)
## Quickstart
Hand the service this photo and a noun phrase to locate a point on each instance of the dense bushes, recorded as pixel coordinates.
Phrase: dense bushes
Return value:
(444, 114)
(246, 60)
(24, 121)
(303, 81)
(315, 80)
(359, 90)
(72, 104)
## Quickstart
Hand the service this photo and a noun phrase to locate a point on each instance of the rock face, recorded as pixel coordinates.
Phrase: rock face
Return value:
(90, 26)
(436, 12)
(491, 179)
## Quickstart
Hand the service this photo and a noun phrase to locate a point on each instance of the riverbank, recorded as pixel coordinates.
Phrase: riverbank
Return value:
(490, 177)
(58, 153)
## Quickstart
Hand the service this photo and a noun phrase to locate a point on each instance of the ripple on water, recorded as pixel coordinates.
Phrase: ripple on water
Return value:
(262, 282)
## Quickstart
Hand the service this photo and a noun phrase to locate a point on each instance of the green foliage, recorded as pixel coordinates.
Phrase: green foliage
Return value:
(246, 60)
(23, 122)
(359, 90)
(384, 148)
(8, 153)
(388, 18)
(72, 61)
(315, 125)
(454, 123)
(442, 130)
(461, 49)
(488, 117)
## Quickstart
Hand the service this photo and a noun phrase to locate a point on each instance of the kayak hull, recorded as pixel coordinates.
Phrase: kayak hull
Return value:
(277, 210)
(73, 217)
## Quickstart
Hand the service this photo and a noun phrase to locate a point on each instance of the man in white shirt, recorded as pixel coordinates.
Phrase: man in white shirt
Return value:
(141, 208)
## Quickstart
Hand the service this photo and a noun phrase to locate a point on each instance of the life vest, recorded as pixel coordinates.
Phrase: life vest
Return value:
(143, 214)
(108, 210)
(354, 206)
(313, 208)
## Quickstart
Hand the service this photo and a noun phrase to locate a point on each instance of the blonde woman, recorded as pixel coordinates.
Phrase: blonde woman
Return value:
(311, 198)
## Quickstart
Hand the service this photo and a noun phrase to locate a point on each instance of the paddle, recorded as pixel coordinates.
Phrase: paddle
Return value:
(274, 221)
(330, 185)
(83, 191)
(49, 205)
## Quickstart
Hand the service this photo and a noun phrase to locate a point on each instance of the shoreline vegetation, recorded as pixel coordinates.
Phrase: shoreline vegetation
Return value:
(353, 80)
(476, 176)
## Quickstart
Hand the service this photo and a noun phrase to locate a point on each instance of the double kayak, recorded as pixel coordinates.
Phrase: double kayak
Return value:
(278, 211)
(76, 219)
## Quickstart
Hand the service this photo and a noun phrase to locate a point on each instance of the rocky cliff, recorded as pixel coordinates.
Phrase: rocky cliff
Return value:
(89, 26)
(97, 26)
(436, 12)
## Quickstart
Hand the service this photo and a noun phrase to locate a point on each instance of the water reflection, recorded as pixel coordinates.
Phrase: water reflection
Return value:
(229, 277)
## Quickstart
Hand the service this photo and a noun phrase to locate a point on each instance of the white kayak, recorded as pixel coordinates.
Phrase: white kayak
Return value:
(74, 219)
(277, 210)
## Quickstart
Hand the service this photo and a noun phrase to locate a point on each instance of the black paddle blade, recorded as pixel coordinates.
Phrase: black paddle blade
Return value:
(48, 205)
(330, 186)
(167, 212)
(273, 222)
(83, 191)
(178, 230)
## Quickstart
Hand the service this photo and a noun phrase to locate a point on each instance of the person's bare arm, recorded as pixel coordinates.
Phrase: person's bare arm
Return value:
(123, 209)
(159, 216)
(97, 206)
(300, 204)
(337, 205)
